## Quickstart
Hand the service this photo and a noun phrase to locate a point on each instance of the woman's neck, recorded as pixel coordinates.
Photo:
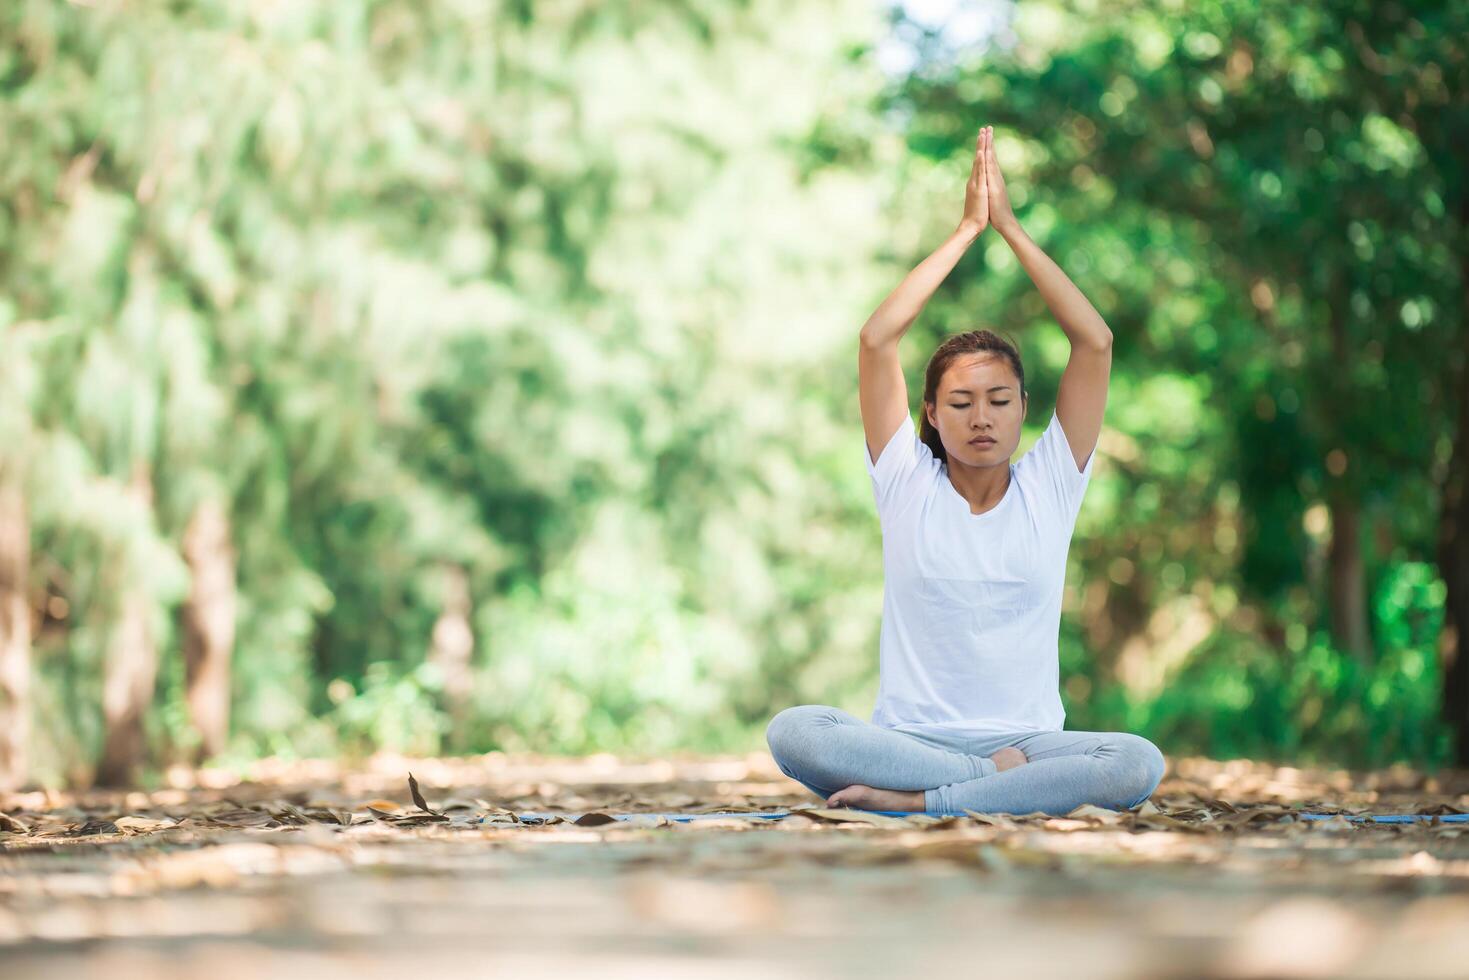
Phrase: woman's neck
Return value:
(982, 486)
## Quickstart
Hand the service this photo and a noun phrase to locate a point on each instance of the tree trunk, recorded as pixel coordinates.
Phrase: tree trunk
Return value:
(1453, 565)
(1453, 541)
(130, 672)
(1349, 626)
(15, 639)
(452, 648)
(1346, 572)
(209, 625)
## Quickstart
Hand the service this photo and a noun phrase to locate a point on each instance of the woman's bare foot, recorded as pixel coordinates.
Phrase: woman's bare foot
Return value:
(861, 797)
(1008, 758)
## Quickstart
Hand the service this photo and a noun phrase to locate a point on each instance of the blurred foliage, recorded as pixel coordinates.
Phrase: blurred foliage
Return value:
(568, 300)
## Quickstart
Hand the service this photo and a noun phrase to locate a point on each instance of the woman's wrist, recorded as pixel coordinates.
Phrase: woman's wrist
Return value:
(1008, 229)
(968, 230)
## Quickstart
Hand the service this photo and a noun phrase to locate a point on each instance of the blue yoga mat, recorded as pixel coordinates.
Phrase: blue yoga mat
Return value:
(538, 817)
(1391, 817)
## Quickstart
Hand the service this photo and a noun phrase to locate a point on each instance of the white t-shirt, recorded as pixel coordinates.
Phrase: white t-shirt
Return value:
(971, 609)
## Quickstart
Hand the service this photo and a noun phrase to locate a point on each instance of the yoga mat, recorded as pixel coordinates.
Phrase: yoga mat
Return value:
(1391, 817)
(541, 817)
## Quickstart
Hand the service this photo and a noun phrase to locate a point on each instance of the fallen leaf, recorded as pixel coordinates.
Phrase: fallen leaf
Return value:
(142, 825)
(418, 819)
(1338, 822)
(289, 813)
(92, 827)
(993, 820)
(1162, 821)
(243, 818)
(594, 819)
(731, 822)
(850, 815)
(329, 814)
(1442, 808)
(929, 821)
(418, 799)
(1067, 824)
(651, 820)
(502, 819)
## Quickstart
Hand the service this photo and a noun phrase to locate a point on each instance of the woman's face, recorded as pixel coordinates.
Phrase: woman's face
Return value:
(979, 395)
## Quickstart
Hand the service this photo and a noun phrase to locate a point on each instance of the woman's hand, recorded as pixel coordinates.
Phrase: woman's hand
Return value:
(976, 200)
(998, 204)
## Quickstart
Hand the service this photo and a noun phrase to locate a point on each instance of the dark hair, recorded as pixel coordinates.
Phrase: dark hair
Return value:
(972, 342)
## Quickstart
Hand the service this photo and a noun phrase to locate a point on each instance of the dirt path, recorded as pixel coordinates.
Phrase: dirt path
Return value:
(307, 870)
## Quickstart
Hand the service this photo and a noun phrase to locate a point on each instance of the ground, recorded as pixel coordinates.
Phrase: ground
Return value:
(308, 869)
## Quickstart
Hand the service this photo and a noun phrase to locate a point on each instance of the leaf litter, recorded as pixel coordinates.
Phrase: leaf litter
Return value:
(1238, 819)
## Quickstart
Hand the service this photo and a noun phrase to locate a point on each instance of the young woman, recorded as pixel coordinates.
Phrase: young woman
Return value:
(968, 712)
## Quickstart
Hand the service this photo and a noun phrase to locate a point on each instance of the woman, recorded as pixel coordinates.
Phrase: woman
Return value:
(968, 712)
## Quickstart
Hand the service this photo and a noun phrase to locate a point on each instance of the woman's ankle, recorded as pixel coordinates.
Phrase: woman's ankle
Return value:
(1008, 758)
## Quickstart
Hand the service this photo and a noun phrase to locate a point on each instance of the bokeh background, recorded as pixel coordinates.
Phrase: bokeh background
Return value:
(440, 377)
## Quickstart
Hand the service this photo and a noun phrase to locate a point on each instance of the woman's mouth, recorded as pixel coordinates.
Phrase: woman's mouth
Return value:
(982, 442)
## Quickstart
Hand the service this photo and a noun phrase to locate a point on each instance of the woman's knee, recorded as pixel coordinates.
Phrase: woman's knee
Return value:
(1144, 766)
(785, 729)
(790, 728)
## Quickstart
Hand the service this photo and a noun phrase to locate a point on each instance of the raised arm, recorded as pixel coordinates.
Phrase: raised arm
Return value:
(1082, 396)
(882, 392)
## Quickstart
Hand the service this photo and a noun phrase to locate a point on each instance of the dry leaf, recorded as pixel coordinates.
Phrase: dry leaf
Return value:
(1068, 824)
(850, 815)
(1162, 821)
(499, 819)
(1338, 822)
(929, 821)
(1089, 812)
(731, 822)
(419, 819)
(418, 797)
(594, 819)
(243, 818)
(142, 825)
(652, 820)
(1442, 808)
(92, 827)
(289, 813)
(993, 820)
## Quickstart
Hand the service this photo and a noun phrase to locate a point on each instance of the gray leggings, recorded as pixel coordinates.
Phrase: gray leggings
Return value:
(827, 749)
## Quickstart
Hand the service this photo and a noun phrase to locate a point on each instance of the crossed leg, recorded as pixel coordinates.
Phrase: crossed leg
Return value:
(827, 749)
(1117, 770)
